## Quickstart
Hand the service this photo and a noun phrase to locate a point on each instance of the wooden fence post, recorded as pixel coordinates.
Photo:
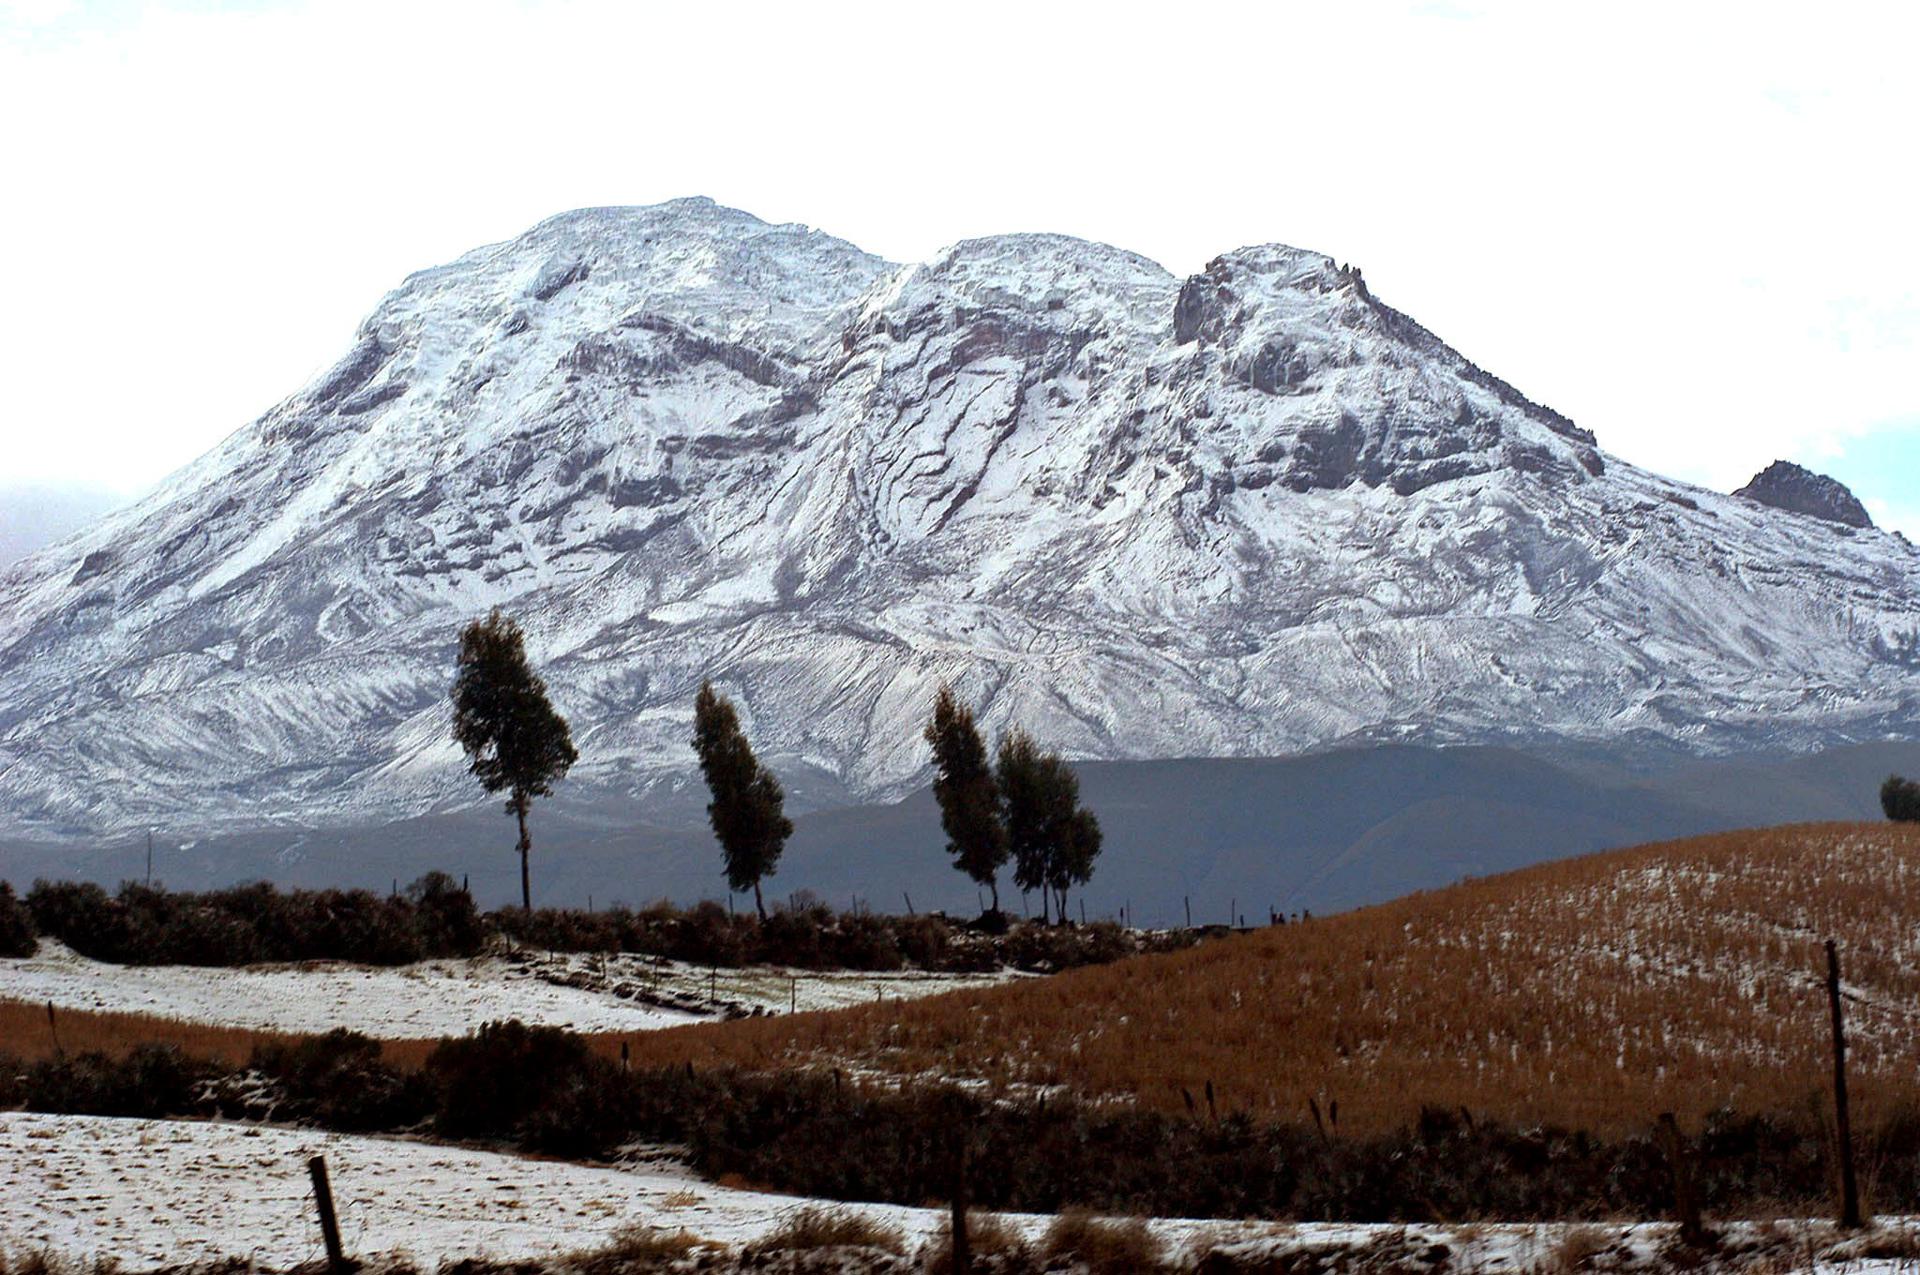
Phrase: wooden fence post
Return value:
(1685, 1202)
(1850, 1216)
(962, 1242)
(329, 1223)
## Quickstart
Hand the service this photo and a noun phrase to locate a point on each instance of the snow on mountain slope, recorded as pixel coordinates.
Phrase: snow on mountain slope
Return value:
(1247, 513)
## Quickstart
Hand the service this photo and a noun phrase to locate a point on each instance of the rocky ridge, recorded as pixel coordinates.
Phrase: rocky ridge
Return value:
(1785, 485)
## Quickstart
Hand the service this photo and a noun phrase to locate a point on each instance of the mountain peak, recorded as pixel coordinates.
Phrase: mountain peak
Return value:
(1785, 485)
(1252, 512)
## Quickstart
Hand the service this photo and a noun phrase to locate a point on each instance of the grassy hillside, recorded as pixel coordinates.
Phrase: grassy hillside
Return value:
(1592, 992)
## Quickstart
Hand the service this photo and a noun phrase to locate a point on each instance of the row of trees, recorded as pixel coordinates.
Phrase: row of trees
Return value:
(1025, 807)
(1022, 807)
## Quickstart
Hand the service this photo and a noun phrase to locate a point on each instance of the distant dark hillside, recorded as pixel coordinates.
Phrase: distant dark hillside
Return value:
(1321, 832)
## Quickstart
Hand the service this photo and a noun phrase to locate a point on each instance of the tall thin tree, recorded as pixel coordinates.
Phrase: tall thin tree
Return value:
(514, 740)
(746, 810)
(1078, 841)
(1022, 783)
(1052, 837)
(963, 784)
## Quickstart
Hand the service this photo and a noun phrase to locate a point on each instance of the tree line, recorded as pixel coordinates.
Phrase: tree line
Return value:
(1021, 806)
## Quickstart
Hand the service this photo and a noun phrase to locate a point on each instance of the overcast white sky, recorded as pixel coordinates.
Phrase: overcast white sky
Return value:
(1691, 228)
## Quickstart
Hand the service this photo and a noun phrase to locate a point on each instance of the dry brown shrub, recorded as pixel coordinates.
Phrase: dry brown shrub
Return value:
(815, 1227)
(1103, 1246)
(1590, 992)
(1576, 1248)
(42, 1261)
(636, 1248)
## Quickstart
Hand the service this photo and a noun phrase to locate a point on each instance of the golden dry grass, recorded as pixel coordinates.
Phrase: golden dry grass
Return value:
(1592, 992)
(24, 1032)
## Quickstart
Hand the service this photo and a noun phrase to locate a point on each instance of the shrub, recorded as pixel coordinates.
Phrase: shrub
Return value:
(444, 917)
(1103, 1247)
(1900, 799)
(81, 915)
(339, 1081)
(151, 1081)
(487, 1083)
(634, 1248)
(708, 935)
(814, 1227)
(16, 925)
(13, 1076)
(144, 925)
(806, 934)
(585, 1113)
(1577, 1248)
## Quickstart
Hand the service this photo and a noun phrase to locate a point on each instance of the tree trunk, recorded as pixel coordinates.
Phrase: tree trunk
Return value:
(758, 904)
(526, 885)
(993, 883)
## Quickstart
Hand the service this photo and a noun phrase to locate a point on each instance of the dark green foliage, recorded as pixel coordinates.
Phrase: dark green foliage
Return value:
(814, 1134)
(585, 1113)
(445, 919)
(151, 1081)
(1053, 838)
(1900, 799)
(491, 1081)
(821, 1134)
(808, 935)
(13, 1078)
(433, 917)
(16, 925)
(746, 810)
(514, 740)
(338, 1081)
(963, 784)
(144, 925)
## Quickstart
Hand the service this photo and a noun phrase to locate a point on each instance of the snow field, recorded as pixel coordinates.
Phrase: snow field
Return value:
(155, 1191)
(623, 993)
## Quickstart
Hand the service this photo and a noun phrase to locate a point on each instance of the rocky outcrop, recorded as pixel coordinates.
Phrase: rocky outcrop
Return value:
(1785, 485)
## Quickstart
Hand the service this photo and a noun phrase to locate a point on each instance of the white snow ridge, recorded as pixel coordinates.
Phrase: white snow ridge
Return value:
(1247, 513)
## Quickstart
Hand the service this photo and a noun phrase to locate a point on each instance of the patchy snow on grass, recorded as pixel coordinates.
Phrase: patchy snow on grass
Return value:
(588, 993)
(429, 999)
(158, 1191)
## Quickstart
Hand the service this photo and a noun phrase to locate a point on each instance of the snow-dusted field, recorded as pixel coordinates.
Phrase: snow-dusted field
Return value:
(155, 1191)
(449, 997)
(174, 1191)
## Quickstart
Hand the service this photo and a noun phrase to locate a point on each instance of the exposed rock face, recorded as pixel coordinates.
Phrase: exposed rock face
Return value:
(1785, 485)
(1251, 513)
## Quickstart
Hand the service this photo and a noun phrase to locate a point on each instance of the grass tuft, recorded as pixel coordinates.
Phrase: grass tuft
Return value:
(816, 1227)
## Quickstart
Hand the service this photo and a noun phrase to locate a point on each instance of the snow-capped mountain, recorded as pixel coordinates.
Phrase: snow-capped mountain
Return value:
(1247, 513)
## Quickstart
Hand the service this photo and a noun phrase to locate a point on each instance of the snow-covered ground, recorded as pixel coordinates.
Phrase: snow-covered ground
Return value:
(155, 1191)
(174, 1191)
(449, 997)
